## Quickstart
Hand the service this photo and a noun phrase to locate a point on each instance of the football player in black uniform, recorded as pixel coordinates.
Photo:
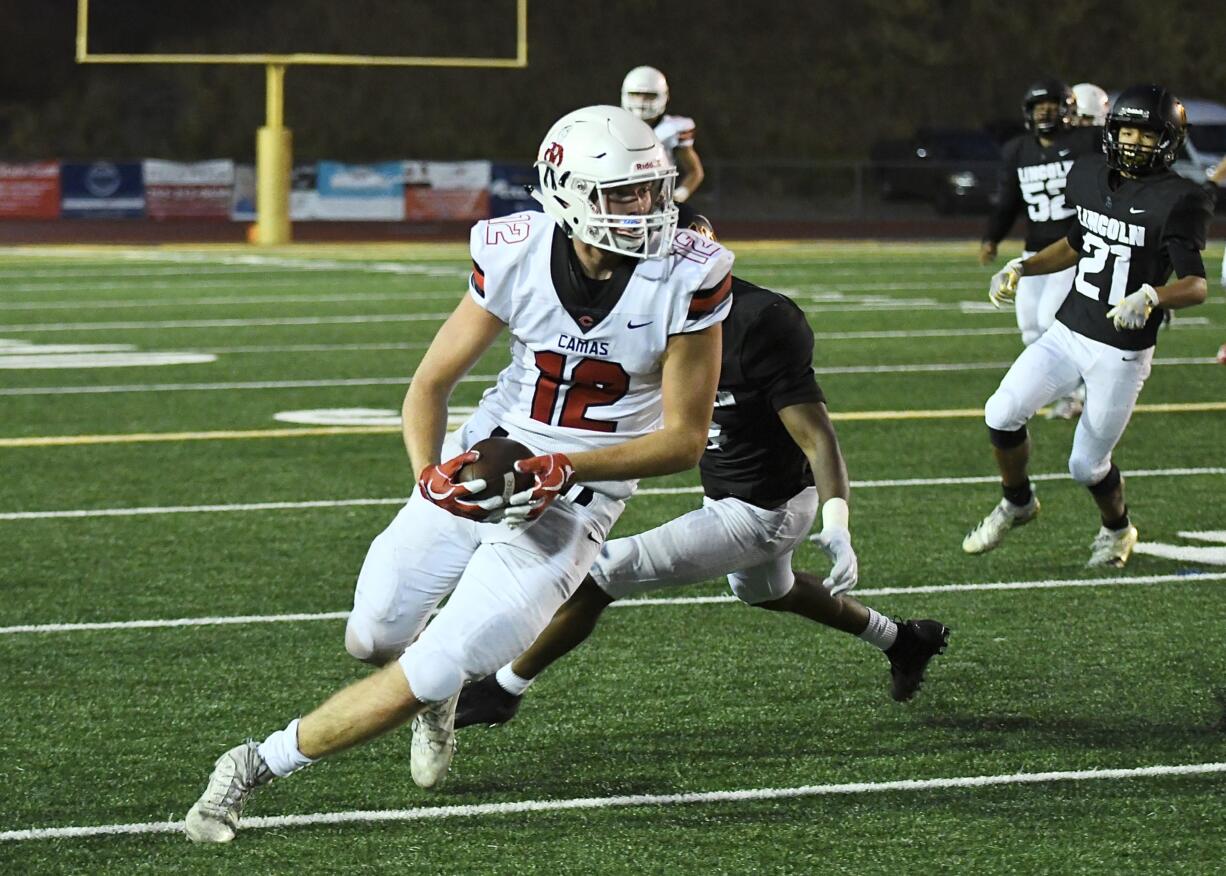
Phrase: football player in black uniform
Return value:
(770, 441)
(1034, 168)
(1137, 222)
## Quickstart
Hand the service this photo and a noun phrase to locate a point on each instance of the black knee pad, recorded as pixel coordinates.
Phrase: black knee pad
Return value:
(1109, 484)
(1007, 440)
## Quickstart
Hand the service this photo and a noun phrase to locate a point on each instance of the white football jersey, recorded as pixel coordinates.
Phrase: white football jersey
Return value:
(577, 381)
(675, 132)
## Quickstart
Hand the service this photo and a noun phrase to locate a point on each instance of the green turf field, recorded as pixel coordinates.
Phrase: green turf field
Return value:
(1070, 729)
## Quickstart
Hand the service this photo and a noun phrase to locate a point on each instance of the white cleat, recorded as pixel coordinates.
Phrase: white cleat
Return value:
(433, 743)
(238, 772)
(990, 531)
(1112, 547)
(1067, 408)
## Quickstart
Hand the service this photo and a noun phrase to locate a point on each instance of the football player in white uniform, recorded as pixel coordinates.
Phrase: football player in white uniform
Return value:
(614, 321)
(645, 93)
(1092, 106)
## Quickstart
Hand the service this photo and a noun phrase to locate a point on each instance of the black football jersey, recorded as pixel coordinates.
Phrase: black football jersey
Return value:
(767, 366)
(1129, 232)
(1033, 177)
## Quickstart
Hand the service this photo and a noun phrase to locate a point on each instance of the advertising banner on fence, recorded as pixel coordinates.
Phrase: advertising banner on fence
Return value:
(373, 192)
(102, 190)
(448, 190)
(200, 190)
(30, 190)
(303, 193)
(242, 203)
(507, 192)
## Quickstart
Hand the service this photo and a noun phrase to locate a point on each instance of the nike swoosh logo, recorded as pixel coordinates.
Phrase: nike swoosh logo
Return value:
(594, 538)
(633, 325)
(1134, 210)
(1130, 359)
(1063, 152)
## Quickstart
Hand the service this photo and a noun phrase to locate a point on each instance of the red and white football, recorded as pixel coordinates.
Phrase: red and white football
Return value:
(495, 467)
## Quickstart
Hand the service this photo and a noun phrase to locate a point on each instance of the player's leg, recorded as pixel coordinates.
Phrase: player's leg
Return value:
(708, 542)
(908, 644)
(513, 586)
(408, 569)
(1055, 289)
(355, 714)
(1113, 383)
(1026, 305)
(1044, 371)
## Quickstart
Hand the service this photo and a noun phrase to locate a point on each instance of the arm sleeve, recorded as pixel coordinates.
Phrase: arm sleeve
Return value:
(1008, 197)
(483, 288)
(1185, 232)
(778, 356)
(711, 303)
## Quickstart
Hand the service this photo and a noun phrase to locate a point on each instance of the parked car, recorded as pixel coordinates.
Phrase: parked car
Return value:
(955, 169)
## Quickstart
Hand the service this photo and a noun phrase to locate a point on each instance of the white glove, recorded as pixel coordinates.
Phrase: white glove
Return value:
(681, 194)
(845, 570)
(1003, 286)
(1133, 311)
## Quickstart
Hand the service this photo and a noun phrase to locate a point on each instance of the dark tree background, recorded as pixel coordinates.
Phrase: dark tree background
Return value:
(792, 79)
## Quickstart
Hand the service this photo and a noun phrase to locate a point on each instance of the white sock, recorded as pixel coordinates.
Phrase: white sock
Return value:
(512, 683)
(280, 751)
(881, 631)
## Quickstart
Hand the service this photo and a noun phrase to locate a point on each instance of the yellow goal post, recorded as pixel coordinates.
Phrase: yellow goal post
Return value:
(274, 142)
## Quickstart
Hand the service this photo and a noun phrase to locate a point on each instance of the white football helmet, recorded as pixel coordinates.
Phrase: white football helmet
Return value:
(587, 156)
(1092, 104)
(645, 93)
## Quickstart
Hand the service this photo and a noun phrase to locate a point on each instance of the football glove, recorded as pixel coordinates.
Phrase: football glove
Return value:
(845, 569)
(437, 484)
(1003, 286)
(1133, 311)
(553, 473)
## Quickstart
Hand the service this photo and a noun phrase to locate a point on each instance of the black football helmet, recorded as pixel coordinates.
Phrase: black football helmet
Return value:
(1043, 91)
(1151, 108)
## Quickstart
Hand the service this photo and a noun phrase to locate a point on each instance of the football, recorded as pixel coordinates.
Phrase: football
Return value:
(498, 455)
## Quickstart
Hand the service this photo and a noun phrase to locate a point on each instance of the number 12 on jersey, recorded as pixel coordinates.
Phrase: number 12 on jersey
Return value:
(592, 383)
(1096, 262)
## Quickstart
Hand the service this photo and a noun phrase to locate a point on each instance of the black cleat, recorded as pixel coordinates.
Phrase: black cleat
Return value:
(917, 643)
(485, 702)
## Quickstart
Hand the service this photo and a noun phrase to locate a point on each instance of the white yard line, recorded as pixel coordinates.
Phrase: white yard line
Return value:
(644, 602)
(355, 319)
(916, 368)
(230, 301)
(754, 795)
(647, 491)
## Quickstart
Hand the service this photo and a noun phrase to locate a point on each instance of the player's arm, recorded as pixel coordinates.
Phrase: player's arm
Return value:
(462, 340)
(691, 373)
(1217, 175)
(809, 425)
(1051, 259)
(689, 171)
(1008, 205)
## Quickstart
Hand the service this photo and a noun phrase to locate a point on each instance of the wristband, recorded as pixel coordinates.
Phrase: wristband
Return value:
(835, 513)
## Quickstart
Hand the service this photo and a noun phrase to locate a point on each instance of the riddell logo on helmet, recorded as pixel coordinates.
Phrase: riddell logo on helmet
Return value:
(554, 154)
(648, 165)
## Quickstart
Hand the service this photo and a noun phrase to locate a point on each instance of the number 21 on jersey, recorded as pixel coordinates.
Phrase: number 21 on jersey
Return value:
(1095, 253)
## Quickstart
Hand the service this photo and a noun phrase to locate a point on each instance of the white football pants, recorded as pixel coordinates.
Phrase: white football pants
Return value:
(1038, 299)
(752, 546)
(1052, 367)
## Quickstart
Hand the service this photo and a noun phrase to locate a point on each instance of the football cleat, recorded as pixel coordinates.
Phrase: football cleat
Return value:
(1112, 547)
(1066, 408)
(991, 530)
(433, 743)
(486, 702)
(917, 643)
(238, 772)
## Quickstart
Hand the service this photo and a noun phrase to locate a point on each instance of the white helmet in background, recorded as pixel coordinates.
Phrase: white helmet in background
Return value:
(597, 149)
(645, 93)
(1092, 104)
